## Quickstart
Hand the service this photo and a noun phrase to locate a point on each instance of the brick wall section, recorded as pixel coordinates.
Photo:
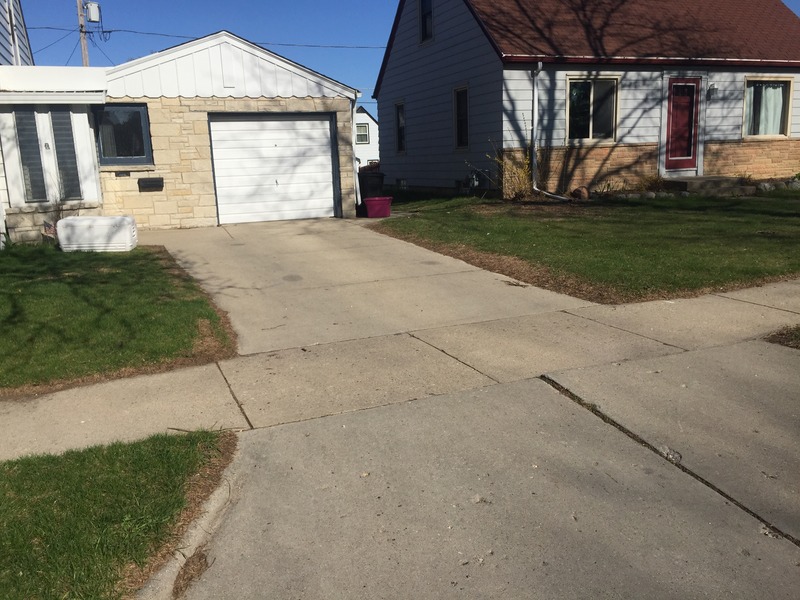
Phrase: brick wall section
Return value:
(182, 155)
(760, 159)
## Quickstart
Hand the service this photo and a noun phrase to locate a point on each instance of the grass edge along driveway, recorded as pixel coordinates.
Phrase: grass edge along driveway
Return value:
(82, 317)
(615, 251)
(96, 523)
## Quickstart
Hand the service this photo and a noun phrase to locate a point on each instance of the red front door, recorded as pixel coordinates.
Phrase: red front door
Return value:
(683, 110)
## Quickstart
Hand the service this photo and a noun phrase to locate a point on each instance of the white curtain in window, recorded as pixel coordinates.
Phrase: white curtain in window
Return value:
(771, 109)
(764, 108)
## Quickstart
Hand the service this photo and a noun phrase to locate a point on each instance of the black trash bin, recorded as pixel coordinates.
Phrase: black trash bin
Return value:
(371, 183)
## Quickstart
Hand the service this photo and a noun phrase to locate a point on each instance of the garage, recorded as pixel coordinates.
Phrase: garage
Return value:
(273, 167)
(219, 131)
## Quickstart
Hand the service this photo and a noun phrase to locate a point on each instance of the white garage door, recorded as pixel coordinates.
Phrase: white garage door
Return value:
(273, 168)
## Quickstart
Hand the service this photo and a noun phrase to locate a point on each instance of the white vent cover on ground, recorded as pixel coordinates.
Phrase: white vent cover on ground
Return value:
(97, 234)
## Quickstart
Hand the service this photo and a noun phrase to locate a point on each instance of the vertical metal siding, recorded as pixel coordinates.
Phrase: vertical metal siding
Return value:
(221, 69)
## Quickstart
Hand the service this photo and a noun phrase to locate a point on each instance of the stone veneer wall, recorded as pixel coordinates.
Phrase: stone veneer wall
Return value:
(561, 170)
(564, 169)
(26, 223)
(760, 159)
(181, 142)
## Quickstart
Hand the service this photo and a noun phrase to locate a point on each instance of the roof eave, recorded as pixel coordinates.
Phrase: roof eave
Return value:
(649, 60)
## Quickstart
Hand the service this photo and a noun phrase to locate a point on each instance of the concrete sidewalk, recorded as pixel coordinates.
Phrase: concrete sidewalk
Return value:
(399, 407)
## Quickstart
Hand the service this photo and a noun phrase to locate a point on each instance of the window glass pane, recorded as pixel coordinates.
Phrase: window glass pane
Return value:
(30, 156)
(580, 95)
(603, 117)
(462, 118)
(425, 20)
(400, 127)
(65, 154)
(362, 133)
(121, 133)
(766, 103)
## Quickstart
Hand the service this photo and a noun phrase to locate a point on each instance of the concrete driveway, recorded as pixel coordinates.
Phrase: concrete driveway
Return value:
(412, 426)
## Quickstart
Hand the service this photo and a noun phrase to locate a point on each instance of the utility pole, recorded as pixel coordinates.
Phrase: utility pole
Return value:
(82, 29)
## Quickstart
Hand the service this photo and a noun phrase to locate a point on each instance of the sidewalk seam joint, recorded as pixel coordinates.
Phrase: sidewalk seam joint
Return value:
(235, 398)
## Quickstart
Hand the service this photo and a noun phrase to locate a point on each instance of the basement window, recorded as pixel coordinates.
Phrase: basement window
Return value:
(123, 135)
(766, 107)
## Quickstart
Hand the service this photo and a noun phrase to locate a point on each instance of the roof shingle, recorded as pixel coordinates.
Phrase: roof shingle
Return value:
(705, 31)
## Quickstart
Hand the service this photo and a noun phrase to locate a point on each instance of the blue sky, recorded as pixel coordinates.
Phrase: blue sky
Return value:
(328, 23)
(270, 23)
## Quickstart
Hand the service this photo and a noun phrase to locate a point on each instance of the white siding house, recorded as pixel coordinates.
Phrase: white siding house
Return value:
(15, 49)
(366, 138)
(418, 84)
(589, 98)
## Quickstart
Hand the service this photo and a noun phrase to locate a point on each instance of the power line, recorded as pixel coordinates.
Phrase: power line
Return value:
(70, 32)
(96, 45)
(189, 37)
(73, 52)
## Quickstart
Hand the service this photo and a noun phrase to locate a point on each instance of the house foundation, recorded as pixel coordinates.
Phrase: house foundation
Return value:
(753, 158)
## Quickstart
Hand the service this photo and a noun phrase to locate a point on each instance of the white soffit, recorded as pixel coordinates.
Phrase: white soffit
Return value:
(220, 65)
(52, 85)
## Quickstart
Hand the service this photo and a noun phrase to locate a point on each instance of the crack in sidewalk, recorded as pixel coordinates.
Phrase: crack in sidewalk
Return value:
(455, 358)
(771, 529)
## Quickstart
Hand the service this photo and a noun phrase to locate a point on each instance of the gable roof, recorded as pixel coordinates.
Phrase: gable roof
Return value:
(220, 65)
(363, 111)
(642, 31)
(675, 32)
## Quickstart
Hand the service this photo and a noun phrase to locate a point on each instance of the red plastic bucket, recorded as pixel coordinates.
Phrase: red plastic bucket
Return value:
(378, 207)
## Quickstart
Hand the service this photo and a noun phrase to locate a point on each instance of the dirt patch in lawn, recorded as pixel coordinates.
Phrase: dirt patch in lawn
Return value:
(545, 208)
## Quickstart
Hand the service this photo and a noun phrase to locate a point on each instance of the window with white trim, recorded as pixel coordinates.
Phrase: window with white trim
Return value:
(592, 109)
(48, 159)
(766, 107)
(362, 133)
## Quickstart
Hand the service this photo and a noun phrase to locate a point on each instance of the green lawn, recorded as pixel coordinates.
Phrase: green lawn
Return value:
(66, 316)
(620, 250)
(70, 525)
